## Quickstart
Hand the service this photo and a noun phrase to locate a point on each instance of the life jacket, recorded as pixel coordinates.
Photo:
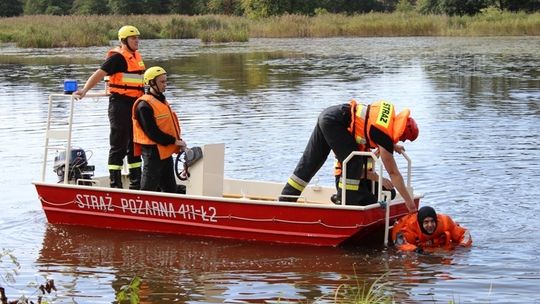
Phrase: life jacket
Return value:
(380, 114)
(167, 122)
(131, 82)
(407, 236)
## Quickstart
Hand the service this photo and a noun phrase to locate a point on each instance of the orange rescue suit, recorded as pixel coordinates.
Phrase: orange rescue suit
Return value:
(407, 236)
(167, 122)
(129, 83)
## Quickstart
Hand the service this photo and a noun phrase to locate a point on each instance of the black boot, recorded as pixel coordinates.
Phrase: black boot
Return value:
(336, 199)
(135, 178)
(116, 178)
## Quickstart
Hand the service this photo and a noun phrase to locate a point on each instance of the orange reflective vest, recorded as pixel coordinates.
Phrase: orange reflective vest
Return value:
(380, 114)
(131, 82)
(167, 122)
(407, 236)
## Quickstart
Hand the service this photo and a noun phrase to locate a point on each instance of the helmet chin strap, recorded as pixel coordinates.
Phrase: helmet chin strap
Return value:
(125, 42)
(154, 87)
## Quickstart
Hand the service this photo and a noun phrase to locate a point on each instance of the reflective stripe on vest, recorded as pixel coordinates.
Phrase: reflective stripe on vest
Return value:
(361, 111)
(131, 82)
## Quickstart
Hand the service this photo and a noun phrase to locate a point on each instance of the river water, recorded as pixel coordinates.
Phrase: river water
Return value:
(476, 100)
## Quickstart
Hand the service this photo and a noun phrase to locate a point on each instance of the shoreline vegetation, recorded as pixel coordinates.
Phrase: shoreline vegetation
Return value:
(47, 31)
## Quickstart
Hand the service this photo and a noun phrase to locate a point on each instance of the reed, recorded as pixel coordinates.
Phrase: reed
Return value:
(42, 31)
(377, 292)
(495, 22)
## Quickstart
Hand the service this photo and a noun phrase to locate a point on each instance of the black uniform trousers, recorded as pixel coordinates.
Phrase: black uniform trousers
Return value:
(157, 172)
(121, 136)
(331, 133)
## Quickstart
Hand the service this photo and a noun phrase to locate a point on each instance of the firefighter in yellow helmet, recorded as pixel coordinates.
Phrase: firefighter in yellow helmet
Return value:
(156, 133)
(124, 67)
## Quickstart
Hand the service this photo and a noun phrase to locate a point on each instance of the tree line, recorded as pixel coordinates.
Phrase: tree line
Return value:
(256, 8)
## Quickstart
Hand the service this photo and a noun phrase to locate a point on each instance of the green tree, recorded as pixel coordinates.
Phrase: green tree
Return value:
(452, 7)
(189, 7)
(34, 7)
(90, 7)
(264, 8)
(158, 7)
(302, 7)
(126, 7)
(518, 5)
(183, 7)
(225, 7)
(404, 6)
(358, 6)
(10, 8)
(463, 7)
(50, 7)
(429, 7)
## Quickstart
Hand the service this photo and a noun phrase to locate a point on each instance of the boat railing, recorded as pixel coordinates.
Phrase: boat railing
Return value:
(383, 197)
(62, 133)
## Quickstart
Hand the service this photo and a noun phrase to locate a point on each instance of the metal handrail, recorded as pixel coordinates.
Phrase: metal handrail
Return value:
(59, 134)
(344, 170)
(380, 194)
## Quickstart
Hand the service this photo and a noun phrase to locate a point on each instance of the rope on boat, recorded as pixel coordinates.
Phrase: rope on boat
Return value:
(231, 217)
(301, 222)
(55, 204)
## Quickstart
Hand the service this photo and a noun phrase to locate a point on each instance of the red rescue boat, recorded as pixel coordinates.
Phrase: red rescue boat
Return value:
(213, 206)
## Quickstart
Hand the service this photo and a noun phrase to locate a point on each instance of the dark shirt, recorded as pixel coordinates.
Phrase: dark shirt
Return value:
(115, 64)
(381, 139)
(145, 116)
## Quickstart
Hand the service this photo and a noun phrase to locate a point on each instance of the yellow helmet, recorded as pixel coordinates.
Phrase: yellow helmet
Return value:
(152, 73)
(126, 31)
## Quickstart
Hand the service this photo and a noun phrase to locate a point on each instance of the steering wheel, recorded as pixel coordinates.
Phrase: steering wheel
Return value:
(181, 166)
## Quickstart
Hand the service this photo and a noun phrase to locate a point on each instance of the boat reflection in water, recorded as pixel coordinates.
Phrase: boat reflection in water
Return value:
(86, 263)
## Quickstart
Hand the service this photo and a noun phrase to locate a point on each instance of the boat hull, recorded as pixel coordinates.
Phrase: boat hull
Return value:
(243, 219)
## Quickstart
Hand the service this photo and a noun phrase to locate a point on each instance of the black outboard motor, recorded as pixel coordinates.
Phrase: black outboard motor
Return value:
(78, 166)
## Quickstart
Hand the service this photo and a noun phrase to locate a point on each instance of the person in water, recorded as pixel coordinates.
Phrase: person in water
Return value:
(427, 230)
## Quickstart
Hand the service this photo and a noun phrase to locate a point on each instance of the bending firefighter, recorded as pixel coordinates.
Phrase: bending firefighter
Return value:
(156, 131)
(427, 230)
(356, 127)
(125, 69)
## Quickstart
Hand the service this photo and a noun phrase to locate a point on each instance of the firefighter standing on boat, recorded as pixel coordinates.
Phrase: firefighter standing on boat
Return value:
(156, 131)
(355, 127)
(125, 68)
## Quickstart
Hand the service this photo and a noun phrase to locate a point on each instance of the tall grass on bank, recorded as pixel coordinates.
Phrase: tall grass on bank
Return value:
(42, 31)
